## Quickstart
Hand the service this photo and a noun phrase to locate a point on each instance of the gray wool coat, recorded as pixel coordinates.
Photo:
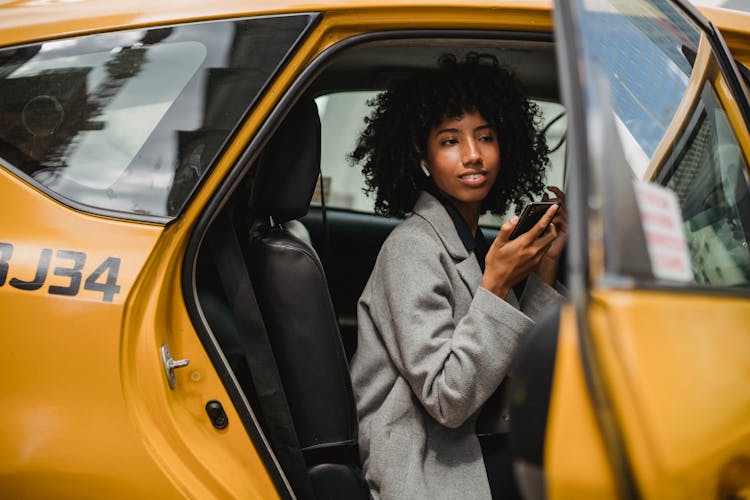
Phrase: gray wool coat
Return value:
(432, 347)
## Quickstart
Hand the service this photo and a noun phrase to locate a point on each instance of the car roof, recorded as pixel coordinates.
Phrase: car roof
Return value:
(29, 20)
(24, 21)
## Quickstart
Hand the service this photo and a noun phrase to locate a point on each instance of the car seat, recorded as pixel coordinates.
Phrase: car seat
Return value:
(296, 307)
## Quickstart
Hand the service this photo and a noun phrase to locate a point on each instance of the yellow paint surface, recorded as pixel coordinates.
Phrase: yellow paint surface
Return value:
(678, 369)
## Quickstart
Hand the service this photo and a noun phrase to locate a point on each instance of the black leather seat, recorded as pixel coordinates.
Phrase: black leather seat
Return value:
(293, 296)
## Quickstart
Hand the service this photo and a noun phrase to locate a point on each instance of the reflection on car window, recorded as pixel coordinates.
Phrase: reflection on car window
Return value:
(130, 121)
(342, 117)
(662, 76)
(708, 174)
(646, 51)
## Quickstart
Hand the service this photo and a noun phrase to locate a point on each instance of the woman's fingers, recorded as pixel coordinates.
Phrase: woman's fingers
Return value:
(509, 262)
(548, 237)
(558, 192)
(506, 229)
(543, 223)
(561, 217)
(562, 223)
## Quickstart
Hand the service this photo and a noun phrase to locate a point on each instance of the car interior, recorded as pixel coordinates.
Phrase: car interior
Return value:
(280, 269)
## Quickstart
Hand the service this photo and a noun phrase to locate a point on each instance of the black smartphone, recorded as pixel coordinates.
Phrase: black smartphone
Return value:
(530, 216)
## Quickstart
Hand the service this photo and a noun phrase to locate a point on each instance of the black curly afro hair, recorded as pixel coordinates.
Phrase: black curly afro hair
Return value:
(389, 149)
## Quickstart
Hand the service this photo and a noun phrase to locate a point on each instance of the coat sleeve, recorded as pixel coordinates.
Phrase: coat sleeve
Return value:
(537, 296)
(451, 367)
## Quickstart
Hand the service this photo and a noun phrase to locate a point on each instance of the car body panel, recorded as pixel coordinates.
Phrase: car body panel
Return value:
(53, 355)
(73, 368)
(676, 366)
(673, 456)
(201, 460)
(575, 461)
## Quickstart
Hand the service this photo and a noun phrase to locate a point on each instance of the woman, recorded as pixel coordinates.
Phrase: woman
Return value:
(439, 321)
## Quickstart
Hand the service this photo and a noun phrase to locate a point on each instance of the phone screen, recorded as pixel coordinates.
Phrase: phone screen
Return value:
(530, 216)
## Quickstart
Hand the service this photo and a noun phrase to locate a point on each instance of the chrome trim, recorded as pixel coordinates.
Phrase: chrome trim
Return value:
(170, 364)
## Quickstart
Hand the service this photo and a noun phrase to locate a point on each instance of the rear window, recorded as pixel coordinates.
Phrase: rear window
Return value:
(129, 122)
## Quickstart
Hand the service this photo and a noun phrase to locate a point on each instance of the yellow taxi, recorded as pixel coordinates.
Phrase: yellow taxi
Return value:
(183, 242)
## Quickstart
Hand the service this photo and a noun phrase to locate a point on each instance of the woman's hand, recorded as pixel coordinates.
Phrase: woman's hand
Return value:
(509, 262)
(547, 268)
(560, 221)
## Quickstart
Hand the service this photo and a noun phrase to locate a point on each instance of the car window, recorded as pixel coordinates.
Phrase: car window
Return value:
(341, 121)
(708, 174)
(342, 117)
(130, 121)
(657, 72)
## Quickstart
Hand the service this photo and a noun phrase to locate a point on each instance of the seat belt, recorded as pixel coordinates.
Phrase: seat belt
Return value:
(261, 362)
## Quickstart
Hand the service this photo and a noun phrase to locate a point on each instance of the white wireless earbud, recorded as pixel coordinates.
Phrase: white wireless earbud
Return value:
(424, 168)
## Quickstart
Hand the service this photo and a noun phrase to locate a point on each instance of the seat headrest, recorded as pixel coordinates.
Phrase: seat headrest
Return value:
(289, 165)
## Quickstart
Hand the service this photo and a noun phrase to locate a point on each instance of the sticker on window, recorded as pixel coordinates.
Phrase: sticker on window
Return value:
(665, 233)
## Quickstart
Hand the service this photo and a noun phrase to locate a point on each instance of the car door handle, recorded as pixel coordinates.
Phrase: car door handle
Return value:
(170, 364)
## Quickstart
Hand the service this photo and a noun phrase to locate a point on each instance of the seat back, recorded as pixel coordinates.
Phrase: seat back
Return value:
(293, 297)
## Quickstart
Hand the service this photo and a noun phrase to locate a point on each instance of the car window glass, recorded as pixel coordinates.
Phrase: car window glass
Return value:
(129, 122)
(656, 71)
(342, 117)
(341, 121)
(645, 51)
(708, 174)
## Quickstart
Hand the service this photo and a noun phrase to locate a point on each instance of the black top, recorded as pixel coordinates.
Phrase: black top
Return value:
(473, 243)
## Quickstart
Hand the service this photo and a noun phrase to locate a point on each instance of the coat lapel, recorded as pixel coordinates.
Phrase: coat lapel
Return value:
(470, 273)
(429, 208)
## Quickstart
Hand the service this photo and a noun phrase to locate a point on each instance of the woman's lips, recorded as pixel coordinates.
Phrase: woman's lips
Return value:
(473, 179)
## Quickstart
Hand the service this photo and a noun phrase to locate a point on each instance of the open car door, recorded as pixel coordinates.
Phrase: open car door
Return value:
(660, 264)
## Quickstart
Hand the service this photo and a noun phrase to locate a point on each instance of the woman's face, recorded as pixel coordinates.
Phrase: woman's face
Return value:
(463, 158)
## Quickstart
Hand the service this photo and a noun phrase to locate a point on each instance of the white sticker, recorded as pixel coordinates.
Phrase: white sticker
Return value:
(665, 232)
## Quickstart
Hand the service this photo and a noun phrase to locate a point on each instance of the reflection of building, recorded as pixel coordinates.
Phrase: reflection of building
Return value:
(129, 121)
(647, 54)
(40, 115)
(257, 47)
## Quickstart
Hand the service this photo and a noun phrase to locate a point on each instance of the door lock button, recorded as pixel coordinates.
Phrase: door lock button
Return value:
(216, 414)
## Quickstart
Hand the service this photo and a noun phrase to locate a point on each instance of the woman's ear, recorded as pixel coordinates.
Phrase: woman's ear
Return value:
(423, 164)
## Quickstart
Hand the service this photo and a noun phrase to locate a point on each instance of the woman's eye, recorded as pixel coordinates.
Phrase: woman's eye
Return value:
(487, 138)
(449, 142)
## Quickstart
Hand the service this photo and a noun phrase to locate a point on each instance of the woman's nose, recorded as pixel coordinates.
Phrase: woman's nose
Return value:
(471, 152)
